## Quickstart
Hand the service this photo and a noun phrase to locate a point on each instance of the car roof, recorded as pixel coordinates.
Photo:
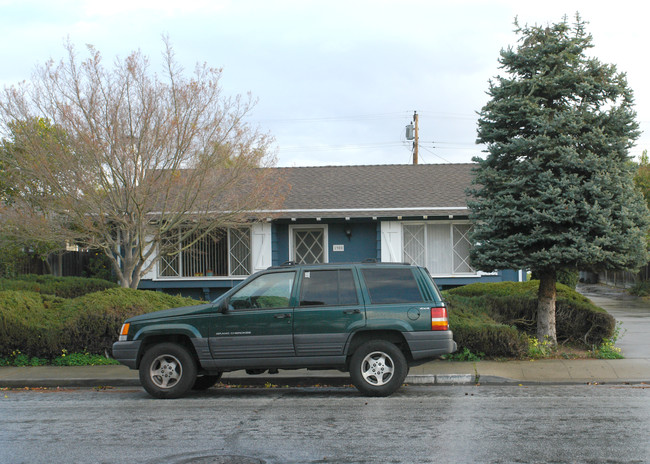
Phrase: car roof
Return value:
(366, 263)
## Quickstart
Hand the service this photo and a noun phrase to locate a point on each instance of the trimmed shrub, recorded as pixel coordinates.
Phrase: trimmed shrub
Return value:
(578, 321)
(64, 287)
(92, 322)
(475, 330)
(40, 325)
(29, 324)
(568, 277)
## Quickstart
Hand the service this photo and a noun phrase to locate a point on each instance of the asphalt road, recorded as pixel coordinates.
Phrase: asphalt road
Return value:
(590, 423)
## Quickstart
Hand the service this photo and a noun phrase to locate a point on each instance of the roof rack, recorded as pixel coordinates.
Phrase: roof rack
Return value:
(365, 261)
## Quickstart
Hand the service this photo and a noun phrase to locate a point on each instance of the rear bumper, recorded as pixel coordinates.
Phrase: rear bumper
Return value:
(431, 344)
(127, 352)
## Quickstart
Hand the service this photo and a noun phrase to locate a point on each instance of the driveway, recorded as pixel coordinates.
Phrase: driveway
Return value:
(632, 312)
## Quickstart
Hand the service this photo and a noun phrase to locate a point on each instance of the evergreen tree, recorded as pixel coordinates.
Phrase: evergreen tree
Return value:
(556, 189)
(642, 176)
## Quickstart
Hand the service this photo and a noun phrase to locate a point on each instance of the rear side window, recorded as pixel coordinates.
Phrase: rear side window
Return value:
(328, 288)
(392, 285)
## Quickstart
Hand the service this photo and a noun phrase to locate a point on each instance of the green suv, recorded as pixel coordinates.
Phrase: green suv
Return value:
(373, 320)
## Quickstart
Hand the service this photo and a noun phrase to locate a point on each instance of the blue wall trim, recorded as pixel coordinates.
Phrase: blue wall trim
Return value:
(364, 242)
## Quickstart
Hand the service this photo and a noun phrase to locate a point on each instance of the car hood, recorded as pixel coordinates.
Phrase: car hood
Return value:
(173, 312)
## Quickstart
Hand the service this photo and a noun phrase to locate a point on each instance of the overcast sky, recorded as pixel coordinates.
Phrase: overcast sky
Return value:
(337, 81)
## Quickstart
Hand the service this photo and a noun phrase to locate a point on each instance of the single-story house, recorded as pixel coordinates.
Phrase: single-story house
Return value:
(390, 213)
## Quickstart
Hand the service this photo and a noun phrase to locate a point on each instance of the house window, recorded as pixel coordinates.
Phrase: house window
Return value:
(222, 252)
(308, 244)
(443, 248)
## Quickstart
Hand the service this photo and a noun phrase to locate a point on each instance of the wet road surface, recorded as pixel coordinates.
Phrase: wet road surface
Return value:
(590, 423)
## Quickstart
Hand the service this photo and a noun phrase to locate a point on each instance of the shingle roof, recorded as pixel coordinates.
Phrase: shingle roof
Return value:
(376, 191)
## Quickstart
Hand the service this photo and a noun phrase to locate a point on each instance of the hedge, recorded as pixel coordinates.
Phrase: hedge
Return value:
(578, 321)
(30, 323)
(43, 325)
(93, 321)
(65, 287)
(475, 330)
(494, 319)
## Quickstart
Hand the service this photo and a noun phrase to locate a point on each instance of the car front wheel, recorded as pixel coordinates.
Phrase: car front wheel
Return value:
(378, 368)
(167, 371)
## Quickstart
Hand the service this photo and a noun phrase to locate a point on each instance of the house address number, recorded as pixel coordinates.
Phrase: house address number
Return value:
(338, 247)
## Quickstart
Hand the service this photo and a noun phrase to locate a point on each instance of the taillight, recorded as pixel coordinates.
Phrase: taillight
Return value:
(439, 320)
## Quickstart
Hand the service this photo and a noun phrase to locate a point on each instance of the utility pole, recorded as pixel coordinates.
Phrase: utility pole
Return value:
(417, 138)
(412, 134)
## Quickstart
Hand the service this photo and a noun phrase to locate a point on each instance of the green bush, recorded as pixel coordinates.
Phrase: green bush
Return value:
(477, 332)
(92, 322)
(29, 324)
(464, 355)
(641, 288)
(64, 287)
(36, 325)
(578, 321)
(568, 277)
(82, 359)
(18, 359)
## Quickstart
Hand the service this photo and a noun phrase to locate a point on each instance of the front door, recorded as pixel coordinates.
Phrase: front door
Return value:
(259, 321)
(309, 245)
(329, 310)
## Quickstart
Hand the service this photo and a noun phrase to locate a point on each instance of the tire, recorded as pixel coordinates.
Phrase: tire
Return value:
(378, 368)
(167, 371)
(204, 382)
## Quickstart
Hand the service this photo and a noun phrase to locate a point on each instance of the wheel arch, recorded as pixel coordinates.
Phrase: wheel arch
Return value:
(394, 336)
(154, 339)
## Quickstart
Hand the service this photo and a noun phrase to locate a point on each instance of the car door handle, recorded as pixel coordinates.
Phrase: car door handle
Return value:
(282, 316)
(352, 311)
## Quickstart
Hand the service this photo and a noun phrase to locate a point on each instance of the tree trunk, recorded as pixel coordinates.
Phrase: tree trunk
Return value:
(546, 307)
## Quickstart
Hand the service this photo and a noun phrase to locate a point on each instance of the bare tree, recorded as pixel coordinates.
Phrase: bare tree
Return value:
(117, 158)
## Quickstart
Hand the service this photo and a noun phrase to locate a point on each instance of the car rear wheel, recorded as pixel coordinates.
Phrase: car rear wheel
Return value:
(378, 368)
(167, 370)
(204, 382)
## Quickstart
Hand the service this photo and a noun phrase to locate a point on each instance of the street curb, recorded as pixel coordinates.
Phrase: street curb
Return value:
(247, 381)
(441, 379)
(250, 381)
(68, 383)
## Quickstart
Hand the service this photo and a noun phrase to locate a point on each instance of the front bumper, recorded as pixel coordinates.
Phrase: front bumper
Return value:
(127, 352)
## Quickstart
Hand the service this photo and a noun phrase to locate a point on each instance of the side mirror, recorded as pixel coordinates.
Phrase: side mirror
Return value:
(225, 306)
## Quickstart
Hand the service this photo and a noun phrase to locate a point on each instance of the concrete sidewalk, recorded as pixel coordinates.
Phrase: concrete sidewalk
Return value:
(555, 371)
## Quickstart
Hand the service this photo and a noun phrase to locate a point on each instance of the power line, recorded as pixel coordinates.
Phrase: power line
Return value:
(339, 147)
(371, 116)
(359, 117)
(437, 155)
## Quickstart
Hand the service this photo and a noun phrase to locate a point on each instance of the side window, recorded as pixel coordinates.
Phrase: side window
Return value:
(392, 285)
(267, 291)
(328, 288)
